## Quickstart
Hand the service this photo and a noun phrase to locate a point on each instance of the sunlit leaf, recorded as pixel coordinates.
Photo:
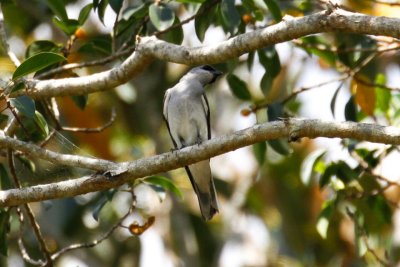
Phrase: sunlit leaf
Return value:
(37, 62)
(84, 13)
(323, 219)
(259, 150)
(238, 87)
(308, 164)
(364, 93)
(273, 7)
(25, 105)
(41, 122)
(161, 16)
(383, 96)
(58, 8)
(165, 183)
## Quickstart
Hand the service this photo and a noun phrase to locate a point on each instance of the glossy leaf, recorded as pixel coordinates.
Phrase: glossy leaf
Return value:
(350, 110)
(259, 150)
(250, 60)
(275, 111)
(273, 7)
(165, 183)
(4, 229)
(364, 93)
(80, 101)
(229, 14)
(41, 46)
(307, 166)
(41, 123)
(37, 62)
(238, 87)
(25, 105)
(161, 16)
(383, 96)
(58, 8)
(116, 5)
(69, 26)
(84, 13)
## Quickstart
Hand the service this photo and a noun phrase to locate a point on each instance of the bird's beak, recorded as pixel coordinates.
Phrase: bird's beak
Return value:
(216, 74)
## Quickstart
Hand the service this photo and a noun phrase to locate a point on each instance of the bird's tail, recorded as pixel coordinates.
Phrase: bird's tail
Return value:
(203, 185)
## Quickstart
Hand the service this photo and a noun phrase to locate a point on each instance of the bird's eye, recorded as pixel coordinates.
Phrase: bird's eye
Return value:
(207, 68)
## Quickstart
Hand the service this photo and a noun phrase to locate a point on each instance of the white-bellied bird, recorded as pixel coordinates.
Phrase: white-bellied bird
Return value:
(187, 114)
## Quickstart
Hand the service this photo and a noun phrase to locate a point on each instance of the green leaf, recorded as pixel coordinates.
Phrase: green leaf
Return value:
(116, 5)
(100, 46)
(350, 110)
(165, 183)
(101, 9)
(41, 123)
(84, 14)
(202, 22)
(175, 35)
(106, 196)
(280, 146)
(383, 96)
(25, 105)
(323, 219)
(4, 229)
(259, 150)
(275, 111)
(238, 87)
(250, 60)
(41, 46)
(266, 83)
(80, 100)
(307, 166)
(269, 58)
(230, 16)
(37, 62)
(69, 26)
(161, 16)
(5, 180)
(274, 9)
(58, 8)
(191, 1)
(333, 101)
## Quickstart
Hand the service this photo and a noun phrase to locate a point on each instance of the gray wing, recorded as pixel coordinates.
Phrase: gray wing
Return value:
(167, 97)
(206, 107)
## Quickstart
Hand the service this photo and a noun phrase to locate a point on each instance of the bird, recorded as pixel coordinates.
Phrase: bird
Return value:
(187, 115)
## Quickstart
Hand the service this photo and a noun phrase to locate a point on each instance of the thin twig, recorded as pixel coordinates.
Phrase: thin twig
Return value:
(31, 216)
(92, 130)
(385, 2)
(94, 242)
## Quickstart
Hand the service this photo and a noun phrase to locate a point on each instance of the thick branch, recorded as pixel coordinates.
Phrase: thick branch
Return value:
(149, 48)
(292, 129)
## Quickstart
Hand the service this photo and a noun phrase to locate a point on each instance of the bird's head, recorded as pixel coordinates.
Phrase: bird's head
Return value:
(205, 74)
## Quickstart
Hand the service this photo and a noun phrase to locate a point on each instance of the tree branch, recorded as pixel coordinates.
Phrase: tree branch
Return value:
(120, 173)
(150, 48)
